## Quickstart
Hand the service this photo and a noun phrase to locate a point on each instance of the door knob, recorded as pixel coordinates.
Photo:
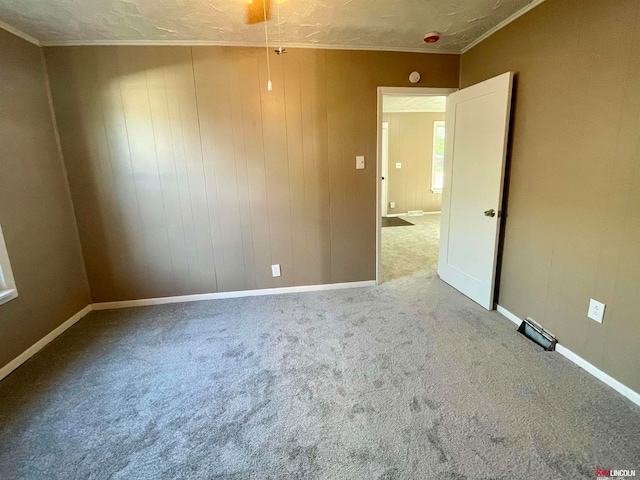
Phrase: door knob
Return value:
(490, 213)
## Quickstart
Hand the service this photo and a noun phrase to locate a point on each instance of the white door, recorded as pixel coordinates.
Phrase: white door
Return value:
(385, 168)
(477, 123)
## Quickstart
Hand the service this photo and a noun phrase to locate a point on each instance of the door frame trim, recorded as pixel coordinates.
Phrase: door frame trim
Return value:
(404, 91)
(384, 190)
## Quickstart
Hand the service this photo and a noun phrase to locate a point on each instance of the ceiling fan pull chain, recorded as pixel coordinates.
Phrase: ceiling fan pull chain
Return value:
(266, 42)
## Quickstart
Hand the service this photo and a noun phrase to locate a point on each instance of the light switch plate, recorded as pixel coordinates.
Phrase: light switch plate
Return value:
(399, 165)
(392, 204)
(275, 270)
(360, 162)
(596, 310)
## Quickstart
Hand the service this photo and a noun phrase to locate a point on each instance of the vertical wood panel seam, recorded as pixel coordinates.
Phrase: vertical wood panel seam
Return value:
(113, 176)
(206, 195)
(175, 170)
(249, 190)
(286, 140)
(316, 191)
(304, 161)
(215, 188)
(187, 177)
(193, 220)
(233, 134)
(633, 175)
(264, 160)
(164, 207)
(554, 246)
(135, 187)
(329, 189)
(616, 163)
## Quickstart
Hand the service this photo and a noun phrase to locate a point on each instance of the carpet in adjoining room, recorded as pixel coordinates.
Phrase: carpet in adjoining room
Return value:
(411, 251)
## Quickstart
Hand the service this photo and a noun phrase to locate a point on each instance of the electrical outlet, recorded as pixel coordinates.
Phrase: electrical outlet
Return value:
(392, 204)
(596, 310)
(398, 165)
(275, 270)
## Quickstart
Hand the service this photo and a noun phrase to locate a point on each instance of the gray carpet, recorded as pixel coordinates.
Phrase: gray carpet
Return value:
(406, 380)
(409, 251)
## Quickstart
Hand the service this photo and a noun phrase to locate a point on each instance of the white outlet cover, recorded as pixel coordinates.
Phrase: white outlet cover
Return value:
(596, 310)
(398, 165)
(275, 270)
(392, 204)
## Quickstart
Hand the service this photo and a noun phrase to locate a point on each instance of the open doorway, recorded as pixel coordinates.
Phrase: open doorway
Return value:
(411, 135)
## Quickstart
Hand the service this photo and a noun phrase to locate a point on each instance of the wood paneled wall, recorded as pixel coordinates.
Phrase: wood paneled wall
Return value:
(573, 216)
(35, 208)
(411, 143)
(188, 176)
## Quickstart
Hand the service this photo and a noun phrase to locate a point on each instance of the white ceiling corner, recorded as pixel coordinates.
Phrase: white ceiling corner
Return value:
(19, 33)
(396, 25)
(501, 25)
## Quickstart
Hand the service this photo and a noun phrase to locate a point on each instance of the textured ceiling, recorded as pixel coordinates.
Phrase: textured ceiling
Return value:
(413, 103)
(370, 24)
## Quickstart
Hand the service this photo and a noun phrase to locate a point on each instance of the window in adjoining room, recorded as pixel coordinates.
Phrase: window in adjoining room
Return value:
(437, 173)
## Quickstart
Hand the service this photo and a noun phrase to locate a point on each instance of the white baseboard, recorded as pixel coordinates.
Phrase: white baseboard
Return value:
(40, 344)
(599, 374)
(582, 363)
(506, 313)
(216, 296)
(36, 347)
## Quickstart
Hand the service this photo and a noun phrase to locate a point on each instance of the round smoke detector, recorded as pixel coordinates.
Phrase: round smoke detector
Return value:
(432, 37)
(414, 77)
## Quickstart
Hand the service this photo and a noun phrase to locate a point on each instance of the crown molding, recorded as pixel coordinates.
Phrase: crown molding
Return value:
(318, 46)
(210, 43)
(19, 33)
(501, 25)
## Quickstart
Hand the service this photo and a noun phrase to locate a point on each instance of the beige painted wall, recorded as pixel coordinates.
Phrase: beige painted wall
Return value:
(189, 177)
(411, 143)
(573, 225)
(35, 206)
